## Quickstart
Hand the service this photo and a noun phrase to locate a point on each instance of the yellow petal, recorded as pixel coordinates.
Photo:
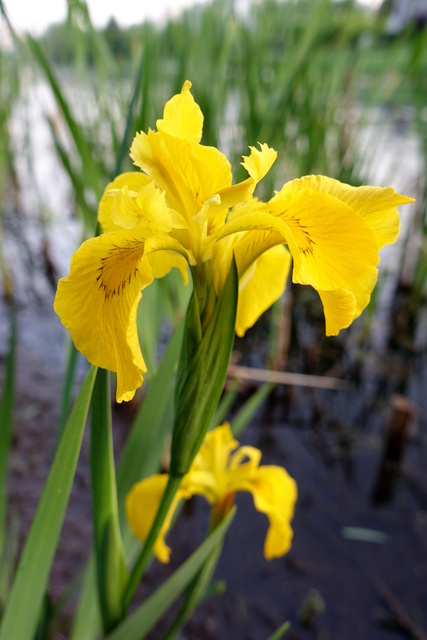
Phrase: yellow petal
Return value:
(162, 262)
(261, 285)
(133, 180)
(332, 246)
(182, 117)
(215, 451)
(253, 216)
(377, 205)
(274, 493)
(98, 302)
(142, 503)
(189, 173)
(259, 162)
(340, 310)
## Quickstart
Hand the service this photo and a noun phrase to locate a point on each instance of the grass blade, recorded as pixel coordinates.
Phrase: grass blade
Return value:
(251, 406)
(140, 458)
(6, 416)
(280, 632)
(33, 572)
(149, 613)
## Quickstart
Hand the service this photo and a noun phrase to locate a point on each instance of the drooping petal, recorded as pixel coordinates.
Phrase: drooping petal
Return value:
(182, 116)
(133, 180)
(340, 310)
(98, 302)
(377, 205)
(274, 493)
(261, 285)
(142, 503)
(332, 246)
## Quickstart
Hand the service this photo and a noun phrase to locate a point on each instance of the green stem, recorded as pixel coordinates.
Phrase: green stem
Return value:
(109, 554)
(138, 570)
(205, 292)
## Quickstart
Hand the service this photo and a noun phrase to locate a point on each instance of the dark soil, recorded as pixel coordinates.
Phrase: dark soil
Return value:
(334, 584)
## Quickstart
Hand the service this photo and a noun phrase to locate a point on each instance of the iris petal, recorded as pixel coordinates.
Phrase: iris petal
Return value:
(182, 117)
(262, 287)
(274, 493)
(376, 205)
(142, 504)
(133, 180)
(98, 302)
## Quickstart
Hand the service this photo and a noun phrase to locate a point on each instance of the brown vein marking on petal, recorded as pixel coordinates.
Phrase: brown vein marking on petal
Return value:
(118, 268)
(300, 232)
(302, 236)
(309, 243)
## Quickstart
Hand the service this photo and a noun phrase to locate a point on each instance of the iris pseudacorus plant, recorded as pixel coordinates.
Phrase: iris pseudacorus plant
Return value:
(219, 470)
(183, 209)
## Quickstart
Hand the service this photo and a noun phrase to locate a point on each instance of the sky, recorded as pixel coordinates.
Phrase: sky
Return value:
(36, 15)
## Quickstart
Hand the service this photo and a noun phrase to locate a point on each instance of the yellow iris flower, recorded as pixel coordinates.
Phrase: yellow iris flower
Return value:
(182, 208)
(218, 471)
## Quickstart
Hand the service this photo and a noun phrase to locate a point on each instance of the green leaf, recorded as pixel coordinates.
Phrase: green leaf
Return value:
(70, 371)
(280, 632)
(196, 592)
(140, 459)
(203, 374)
(109, 554)
(6, 416)
(88, 212)
(249, 409)
(190, 342)
(226, 403)
(91, 170)
(33, 572)
(139, 623)
(144, 446)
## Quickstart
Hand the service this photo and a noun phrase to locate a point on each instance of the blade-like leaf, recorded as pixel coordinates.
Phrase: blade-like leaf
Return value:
(70, 370)
(248, 410)
(109, 553)
(196, 592)
(92, 170)
(144, 446)
(226, 403)
(201, 377)
(6, 414)
(33, 572)
(149, 613)
(280, 632)
(140, 458)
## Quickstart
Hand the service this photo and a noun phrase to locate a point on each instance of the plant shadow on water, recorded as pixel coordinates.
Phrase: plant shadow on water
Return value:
(358, 564)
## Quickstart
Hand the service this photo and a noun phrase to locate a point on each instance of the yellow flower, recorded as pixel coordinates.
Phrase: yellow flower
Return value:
(219, 470)
(182, 209)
